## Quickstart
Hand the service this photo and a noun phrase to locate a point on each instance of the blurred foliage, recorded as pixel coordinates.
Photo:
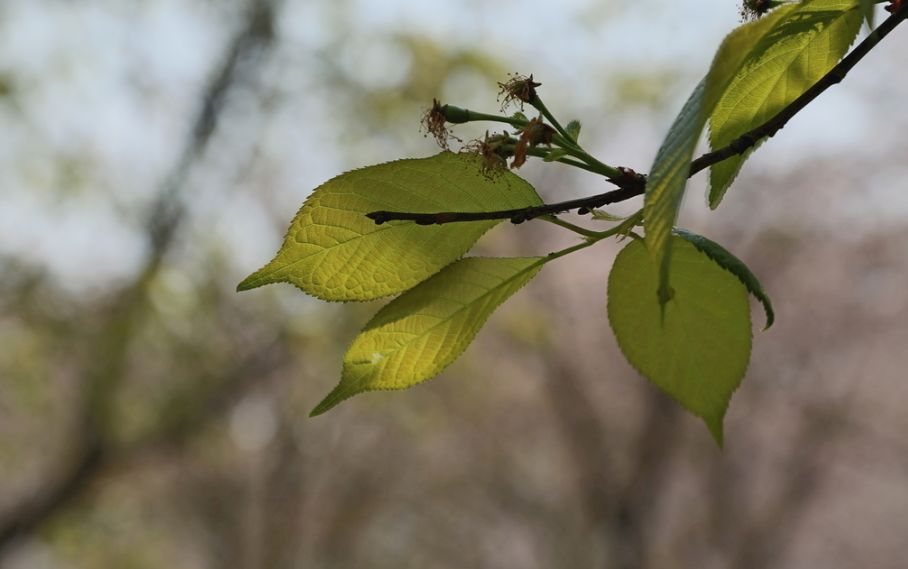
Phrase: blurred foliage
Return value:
(538, 449)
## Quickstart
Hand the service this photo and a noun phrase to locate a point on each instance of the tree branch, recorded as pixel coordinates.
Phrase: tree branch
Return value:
(93, 451)
(629, 188)
(518, 215)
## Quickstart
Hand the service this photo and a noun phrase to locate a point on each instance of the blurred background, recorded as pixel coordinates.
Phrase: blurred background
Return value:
(152, 155)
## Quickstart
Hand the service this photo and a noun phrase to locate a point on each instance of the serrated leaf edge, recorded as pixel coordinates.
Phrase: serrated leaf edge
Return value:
(737, 267)
(343, 392)
(717, 430)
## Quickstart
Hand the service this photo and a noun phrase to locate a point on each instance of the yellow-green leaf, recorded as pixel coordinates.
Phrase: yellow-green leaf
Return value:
(334, 252)
(419, 333)
(697, 351)
(725, 259)
(792, 55)
(668, 175)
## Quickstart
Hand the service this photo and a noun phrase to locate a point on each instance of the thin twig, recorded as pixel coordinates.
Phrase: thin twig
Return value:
(628, 189)
(518, 215)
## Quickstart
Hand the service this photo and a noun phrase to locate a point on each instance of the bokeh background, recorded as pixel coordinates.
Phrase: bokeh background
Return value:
(153, 153)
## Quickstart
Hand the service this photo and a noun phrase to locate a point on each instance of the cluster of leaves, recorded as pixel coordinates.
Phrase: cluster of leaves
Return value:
(677, 302)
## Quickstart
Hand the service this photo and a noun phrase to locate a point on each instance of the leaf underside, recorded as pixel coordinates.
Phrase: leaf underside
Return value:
(334, 252)
(698, 349)
(725, 259)
(668, 175)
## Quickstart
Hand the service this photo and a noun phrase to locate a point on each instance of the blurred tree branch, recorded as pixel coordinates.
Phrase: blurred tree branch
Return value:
(105, 369)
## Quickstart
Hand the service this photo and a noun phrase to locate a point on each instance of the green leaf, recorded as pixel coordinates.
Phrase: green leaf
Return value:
(334, 252)
(725, 259)
(790, 57)
(419, 333)
(602, 215)
(698, 349)
(868, 11)
(668, 175)
(573, 129)
(555, 154)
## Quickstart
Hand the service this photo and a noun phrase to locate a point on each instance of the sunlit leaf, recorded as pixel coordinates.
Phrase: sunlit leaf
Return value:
(725, 259)
(333, 251)
(697, 351)
(668, 175)
(793, 55)
(423, 330)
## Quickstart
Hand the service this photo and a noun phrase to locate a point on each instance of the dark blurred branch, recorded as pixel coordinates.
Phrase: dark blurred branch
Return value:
(649, 482)
(764, 542)
(55, 495)
(95, 457)
(628, 190)
(250, 373)
(106, 367)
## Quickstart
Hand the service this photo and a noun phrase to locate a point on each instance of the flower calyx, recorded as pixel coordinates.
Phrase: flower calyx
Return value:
(494, 150)
(434, 120)
(518, 89)
(532, 134)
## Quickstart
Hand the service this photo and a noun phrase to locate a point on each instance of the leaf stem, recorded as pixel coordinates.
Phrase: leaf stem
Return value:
(595, 165)
(473, 116)
(541, 153)
(567, 225)
(594, 237)
(566, 141)
(540, 106)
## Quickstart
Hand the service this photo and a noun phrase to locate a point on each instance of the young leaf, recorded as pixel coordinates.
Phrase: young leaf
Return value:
(790, 57)
(725, 259)
(668, 175)
(602, 215)
(555, 154)
(334, 252)
(573, 129)
(698, 350)
(420, 332)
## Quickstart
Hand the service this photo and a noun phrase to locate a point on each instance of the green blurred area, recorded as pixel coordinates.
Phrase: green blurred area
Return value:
(155, 151)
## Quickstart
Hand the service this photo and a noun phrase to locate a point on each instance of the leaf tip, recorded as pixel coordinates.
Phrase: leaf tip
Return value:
(770, 315)
(321, 408)
(263, 276)
(714, 424)
(248, 283)
(337, 395)
(716, 193)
